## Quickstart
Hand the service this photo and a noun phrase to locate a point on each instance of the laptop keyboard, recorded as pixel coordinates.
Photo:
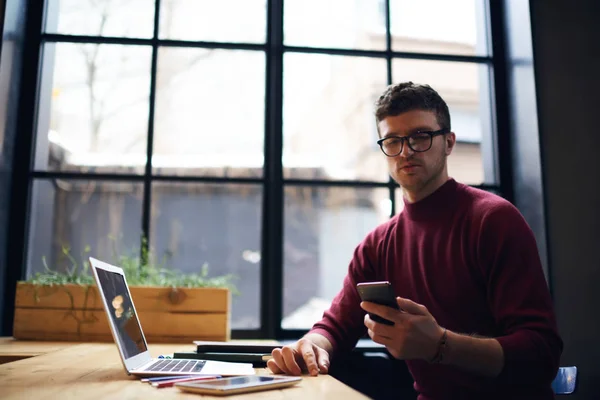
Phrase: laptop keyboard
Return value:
(177, 366)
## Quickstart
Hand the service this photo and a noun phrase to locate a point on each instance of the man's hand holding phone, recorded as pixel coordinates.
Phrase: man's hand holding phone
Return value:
(380, 293)
(309, 354)
(410, 331)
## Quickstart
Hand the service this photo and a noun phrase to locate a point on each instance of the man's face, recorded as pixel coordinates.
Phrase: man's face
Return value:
(412, 170)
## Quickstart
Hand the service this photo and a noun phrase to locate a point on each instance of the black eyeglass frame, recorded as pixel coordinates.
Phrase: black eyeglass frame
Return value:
(407, 140)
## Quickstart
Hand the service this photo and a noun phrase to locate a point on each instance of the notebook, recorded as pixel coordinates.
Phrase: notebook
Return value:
(265, 347)
(129, 337)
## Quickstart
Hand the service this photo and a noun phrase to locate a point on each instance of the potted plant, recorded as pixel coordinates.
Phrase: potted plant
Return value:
(173, 307)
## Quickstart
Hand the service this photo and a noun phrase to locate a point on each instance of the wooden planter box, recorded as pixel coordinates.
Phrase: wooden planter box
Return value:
(75, 313)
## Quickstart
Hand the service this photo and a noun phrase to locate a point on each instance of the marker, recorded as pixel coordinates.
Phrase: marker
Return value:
(165, 378)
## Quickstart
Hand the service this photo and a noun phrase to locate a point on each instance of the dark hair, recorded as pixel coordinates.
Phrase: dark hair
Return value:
(408, 96)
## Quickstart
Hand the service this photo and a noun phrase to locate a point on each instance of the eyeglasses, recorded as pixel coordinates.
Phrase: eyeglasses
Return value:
(418, 142)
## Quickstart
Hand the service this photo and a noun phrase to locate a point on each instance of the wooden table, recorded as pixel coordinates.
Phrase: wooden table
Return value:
(14, 350)
(94, 371)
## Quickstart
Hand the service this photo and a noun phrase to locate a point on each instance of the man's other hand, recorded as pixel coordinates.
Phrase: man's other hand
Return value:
(302, 356)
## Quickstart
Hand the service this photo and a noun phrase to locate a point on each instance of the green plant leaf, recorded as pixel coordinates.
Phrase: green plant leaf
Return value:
(140, 268)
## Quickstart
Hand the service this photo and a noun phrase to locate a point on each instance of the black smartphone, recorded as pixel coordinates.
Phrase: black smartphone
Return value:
(380, 293)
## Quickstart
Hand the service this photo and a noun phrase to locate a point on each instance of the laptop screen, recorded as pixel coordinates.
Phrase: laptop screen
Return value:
(122, 314)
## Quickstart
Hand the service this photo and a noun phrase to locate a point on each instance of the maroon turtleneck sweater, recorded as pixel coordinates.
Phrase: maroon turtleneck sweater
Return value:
(471, 259)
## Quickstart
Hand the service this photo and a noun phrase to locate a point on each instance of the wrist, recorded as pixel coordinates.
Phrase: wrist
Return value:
(441, 348)
(320, 341)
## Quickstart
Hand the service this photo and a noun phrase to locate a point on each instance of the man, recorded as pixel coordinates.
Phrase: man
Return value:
(476, 317)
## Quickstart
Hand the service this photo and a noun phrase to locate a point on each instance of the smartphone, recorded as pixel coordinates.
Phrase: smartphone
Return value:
(238, 384)
(380, 293)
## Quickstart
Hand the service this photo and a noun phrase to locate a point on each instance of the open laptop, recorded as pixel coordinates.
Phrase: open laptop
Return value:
(129, 337)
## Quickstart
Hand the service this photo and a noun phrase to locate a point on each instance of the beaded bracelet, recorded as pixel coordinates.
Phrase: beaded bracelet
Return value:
(439, 356)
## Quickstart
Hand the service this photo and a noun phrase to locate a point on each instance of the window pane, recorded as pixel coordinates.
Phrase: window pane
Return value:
(335, 24)
(328, 122)
(439, 26)
(216, 225)
(75, 214)
(464, 87)
(214, 21)
(130, 18)
(323, 226)
(209, 112)
(93, 113)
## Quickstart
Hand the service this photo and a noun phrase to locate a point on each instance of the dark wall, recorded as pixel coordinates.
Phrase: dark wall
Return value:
(566, 47)
(12, 14)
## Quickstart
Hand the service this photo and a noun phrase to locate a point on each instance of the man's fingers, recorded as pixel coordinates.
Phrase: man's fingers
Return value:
(293, 359)
(272, 365)
(309, 357)
(386, 341)
(289, 358)
(378, 329)
(382, 311)
(323, 361)
(411, 307)
(406, 305)
(279, 362)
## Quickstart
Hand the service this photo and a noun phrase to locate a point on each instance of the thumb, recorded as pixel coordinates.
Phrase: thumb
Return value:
(411, 307)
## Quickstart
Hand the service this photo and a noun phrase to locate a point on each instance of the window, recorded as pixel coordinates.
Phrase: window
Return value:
(242, 140)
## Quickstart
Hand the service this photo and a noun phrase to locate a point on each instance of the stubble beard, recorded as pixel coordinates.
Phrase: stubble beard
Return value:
(418, 185)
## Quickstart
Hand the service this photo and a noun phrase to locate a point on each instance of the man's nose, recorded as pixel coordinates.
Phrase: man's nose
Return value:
(406, 150)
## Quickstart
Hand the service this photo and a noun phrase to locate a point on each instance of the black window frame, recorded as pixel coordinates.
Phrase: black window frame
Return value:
(273, 181)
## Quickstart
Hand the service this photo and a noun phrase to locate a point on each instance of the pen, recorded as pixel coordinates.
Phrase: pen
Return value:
(164, 378)
(173, 381)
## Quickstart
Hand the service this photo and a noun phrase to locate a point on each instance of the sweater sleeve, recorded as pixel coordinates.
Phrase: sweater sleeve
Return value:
(519, 298)
(343, 323)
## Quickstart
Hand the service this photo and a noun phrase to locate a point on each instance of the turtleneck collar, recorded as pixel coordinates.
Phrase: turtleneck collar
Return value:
(435, 205)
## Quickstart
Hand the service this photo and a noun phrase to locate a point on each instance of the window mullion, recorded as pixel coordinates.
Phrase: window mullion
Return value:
(147, 195)
(272, 214)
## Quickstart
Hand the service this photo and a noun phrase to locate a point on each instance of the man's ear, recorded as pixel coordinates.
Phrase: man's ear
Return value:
(450, 142)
